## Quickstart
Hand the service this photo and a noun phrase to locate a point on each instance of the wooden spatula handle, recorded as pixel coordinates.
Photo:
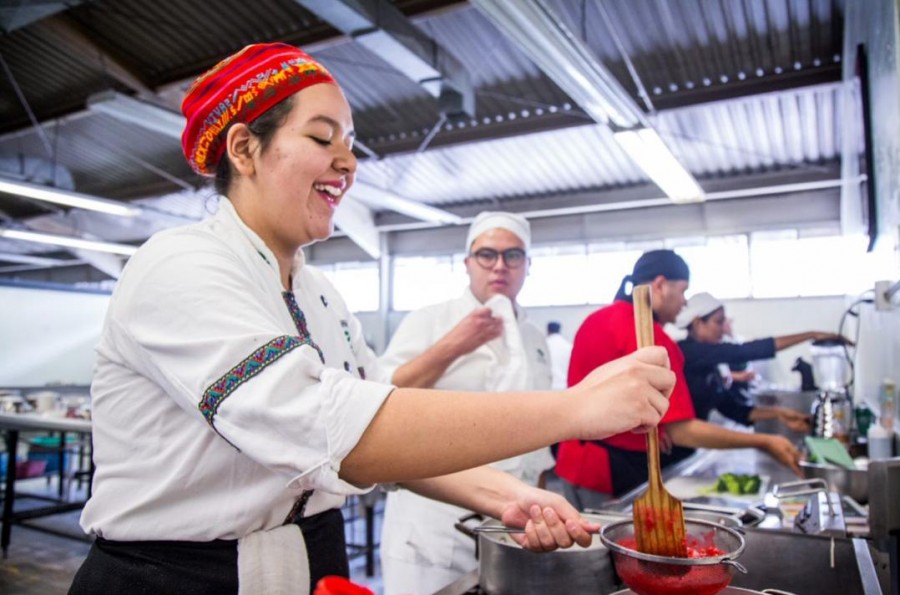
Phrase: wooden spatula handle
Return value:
(643, 316)
(643, 327)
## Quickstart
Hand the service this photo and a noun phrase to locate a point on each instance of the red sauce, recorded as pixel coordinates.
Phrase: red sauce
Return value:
(650, 578)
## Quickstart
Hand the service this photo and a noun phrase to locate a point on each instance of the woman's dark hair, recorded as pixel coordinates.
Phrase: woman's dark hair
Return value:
(264, 128)
(690, 327)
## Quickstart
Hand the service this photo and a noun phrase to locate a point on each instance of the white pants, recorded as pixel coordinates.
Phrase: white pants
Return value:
(421, 551)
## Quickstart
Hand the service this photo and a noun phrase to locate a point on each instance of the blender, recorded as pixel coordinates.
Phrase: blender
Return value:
(832, 414)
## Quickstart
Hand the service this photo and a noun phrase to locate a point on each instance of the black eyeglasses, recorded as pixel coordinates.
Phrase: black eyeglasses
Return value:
(487, 257)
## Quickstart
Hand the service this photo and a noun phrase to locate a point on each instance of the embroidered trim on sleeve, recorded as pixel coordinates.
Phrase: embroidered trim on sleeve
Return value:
(244, 371)
(300, 322)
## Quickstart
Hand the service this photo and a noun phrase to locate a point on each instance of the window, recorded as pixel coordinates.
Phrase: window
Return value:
(607, 264)
(719, 265)
(557, 277)
(420, 281)
(829, 265)
(357, 282)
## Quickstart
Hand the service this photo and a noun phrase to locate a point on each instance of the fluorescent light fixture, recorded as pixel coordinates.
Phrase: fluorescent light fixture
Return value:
(140, 113)
(647, 149)
(69, 199)
(68, 241)
(376, 198)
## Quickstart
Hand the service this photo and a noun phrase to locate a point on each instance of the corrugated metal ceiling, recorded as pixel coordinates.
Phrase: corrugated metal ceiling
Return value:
(737, 87)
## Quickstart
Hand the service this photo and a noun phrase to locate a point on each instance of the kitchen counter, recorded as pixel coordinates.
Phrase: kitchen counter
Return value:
(776, 558)
(702, 469)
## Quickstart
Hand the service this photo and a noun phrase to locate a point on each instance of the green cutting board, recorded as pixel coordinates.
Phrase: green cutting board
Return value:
(829, 450)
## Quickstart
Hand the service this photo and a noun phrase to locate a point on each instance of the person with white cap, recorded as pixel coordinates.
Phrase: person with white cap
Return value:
(480, 341)
(704, 350)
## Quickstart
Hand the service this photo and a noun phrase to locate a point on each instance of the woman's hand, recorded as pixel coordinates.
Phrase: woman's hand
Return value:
(783, 451)
(549, 520)
(822, 336)
(794, 420)
(630, 393)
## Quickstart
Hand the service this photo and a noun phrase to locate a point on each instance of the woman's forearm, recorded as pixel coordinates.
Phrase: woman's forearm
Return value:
(483, 489)
(430, 433)
(421, 433)
(695, 433)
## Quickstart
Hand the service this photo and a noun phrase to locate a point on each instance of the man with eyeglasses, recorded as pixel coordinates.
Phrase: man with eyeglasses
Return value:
(479, 341)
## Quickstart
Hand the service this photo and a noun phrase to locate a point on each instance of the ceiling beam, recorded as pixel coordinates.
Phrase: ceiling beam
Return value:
(826, 74)
(385, 31)
(638, 196)
(86, 50)
(493, 130)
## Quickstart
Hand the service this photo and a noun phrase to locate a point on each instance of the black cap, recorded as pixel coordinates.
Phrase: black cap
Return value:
(652, 264)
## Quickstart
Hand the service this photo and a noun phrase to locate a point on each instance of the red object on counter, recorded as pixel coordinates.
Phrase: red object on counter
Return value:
(338, 585)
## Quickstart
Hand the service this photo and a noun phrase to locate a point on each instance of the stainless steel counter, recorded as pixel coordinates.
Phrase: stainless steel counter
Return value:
(776, 558)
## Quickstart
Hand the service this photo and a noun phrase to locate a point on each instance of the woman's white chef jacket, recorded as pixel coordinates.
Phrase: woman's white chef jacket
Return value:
(216, 401)
(421, 551)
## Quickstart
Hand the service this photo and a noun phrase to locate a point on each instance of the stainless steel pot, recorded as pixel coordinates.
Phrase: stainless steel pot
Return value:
(507, 569)
(847, 482)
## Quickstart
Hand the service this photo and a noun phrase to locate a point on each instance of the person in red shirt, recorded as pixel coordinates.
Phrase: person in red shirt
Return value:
(594, 471)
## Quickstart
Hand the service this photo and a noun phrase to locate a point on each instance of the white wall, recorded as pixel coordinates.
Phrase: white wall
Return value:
(48, 336)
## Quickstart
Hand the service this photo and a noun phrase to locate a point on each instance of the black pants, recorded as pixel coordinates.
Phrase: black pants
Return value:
(199, 568)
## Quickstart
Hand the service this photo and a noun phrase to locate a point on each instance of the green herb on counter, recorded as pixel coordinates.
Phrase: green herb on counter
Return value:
(738, 484)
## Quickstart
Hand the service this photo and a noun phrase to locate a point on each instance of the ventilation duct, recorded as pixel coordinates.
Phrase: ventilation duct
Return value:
(386, 32)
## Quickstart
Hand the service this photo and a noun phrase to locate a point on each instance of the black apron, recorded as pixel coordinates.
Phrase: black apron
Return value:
(200, 568)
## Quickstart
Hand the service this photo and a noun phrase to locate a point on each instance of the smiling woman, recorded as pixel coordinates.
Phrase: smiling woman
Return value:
(235, 402)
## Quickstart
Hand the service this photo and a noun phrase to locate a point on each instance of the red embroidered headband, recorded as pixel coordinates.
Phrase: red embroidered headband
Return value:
(241, 88)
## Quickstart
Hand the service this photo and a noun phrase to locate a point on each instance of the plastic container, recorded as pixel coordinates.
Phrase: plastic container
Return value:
(881, 442)
(887, 400)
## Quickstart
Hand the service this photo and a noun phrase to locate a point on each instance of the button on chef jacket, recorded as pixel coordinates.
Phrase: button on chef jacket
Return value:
(420, 548)
(619, 463)
(217, 402)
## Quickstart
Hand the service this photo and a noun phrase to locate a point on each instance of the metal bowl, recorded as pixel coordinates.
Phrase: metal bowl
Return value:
(646, 574)
(847, 482)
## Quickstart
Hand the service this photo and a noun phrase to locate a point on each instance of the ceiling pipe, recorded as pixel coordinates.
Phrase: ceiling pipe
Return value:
(377, 198)
(385, 31)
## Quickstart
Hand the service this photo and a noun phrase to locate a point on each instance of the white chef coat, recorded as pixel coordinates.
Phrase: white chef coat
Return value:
(212, 412)
(560, 354)
(421, 551)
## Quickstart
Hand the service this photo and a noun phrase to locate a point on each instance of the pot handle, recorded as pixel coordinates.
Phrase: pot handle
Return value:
(463, 528)
(737, 565)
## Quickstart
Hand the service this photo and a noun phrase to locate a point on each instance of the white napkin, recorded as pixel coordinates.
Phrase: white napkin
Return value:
(514, 374)
(273, 562)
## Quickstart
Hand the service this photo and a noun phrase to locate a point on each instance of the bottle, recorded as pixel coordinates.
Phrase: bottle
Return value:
(888, 396)
(881, 442)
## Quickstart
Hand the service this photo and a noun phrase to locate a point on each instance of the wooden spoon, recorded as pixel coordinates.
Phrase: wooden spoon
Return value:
(658, 515)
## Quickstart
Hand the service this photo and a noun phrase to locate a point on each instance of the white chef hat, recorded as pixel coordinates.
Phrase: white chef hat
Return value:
(698, 306)
(512, 222)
